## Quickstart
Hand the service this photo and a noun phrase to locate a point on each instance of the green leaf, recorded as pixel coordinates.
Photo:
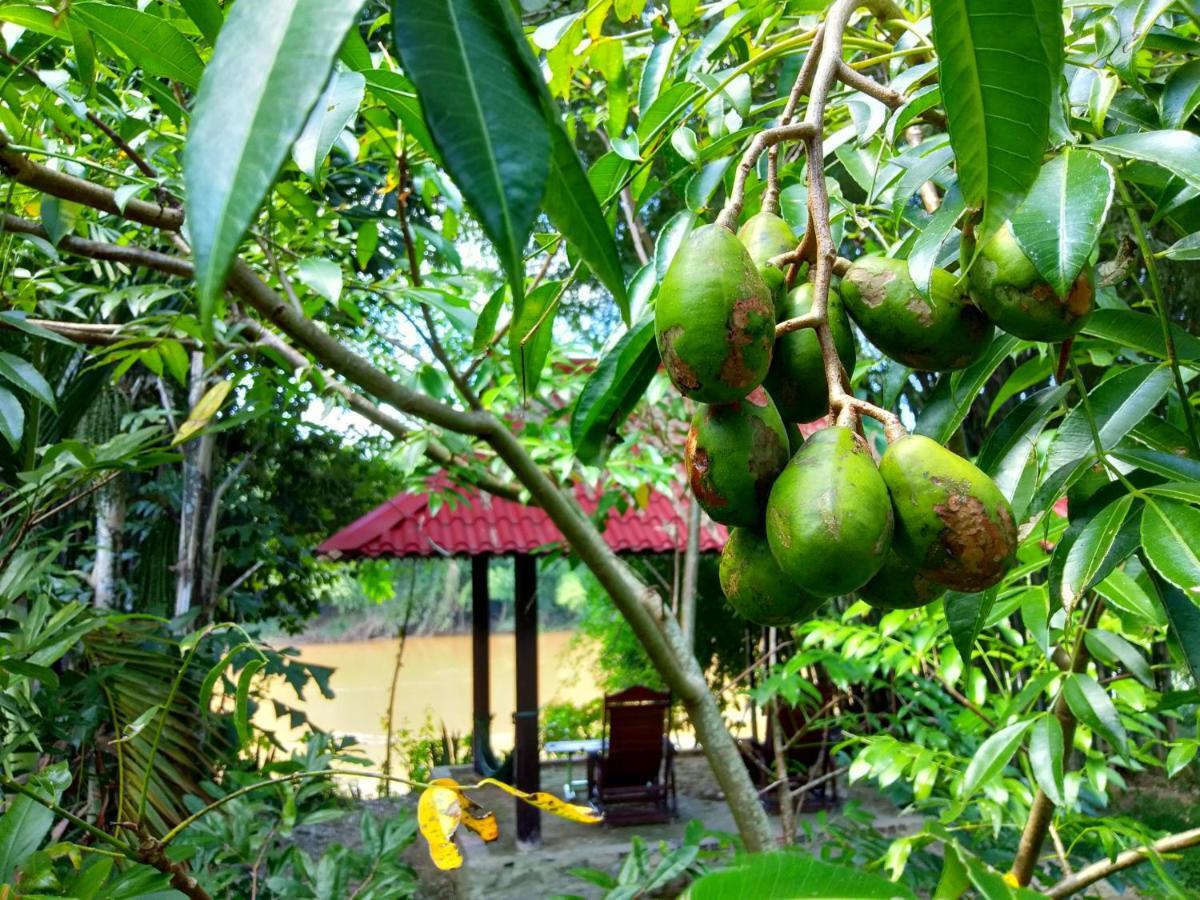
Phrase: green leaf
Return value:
(530, 335)
(1124, 594)
(613, 390)
(484, 113)
(150, 41)
(1176, 151)
(26, 822)
(485, 326)
(1116, 405)
(396, 92)
(992, 756)
(956, 392)
(1059, 223)
(12, 417)
(1186, 248)
(1181, 95)
(1184, 617)
(1179, 758)
(17, 371)
(999, 63)
(954, 879)
(207, 16)
(965, 617)
(1131, 330)
(1187, 491)
(241, 709)
(1171, 538)
(1092, 706)
(1006, 449)
(927, 248)
(1046, 756)
(654, 74)
(1089, 554)
(574, 210)
(266, 73)
(1113, 650)
(138, 725)
(322, 276)
(39, 21)
(333, 112)
(44, 674)
(791, 876)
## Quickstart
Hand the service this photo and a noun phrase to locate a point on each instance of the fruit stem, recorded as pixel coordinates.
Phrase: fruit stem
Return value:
(803, 84)
(764, 139)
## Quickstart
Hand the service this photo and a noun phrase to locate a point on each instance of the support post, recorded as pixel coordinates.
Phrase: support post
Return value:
(481, 673)
(528, 773)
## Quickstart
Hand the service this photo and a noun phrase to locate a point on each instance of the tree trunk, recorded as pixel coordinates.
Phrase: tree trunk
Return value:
(190, 567)
(691, 575)
(110, 523)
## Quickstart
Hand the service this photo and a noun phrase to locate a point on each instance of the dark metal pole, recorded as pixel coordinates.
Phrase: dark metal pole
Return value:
(528, 774)
(481, 616)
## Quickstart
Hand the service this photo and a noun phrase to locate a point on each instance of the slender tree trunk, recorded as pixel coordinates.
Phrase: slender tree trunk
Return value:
(691, 575)
(110, 524)
(194, 502)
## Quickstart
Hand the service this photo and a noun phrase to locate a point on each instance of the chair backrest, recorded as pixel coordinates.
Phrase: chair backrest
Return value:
(635, 723)
(805, 741)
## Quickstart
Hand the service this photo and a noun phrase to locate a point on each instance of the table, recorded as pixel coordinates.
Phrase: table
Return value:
(570, 749)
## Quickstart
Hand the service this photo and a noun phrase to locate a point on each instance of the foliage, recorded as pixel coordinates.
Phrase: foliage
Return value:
(419, 169)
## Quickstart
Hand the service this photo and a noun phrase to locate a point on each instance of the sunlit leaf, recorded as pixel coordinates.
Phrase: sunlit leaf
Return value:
(204, 410)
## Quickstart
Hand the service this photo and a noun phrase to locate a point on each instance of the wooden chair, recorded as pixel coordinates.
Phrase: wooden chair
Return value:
(632, 780)
(807, 755)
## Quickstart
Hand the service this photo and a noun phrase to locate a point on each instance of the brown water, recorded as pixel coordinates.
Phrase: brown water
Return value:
(435, 682)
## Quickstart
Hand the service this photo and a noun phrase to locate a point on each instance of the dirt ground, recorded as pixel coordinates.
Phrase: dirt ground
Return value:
(501, 870)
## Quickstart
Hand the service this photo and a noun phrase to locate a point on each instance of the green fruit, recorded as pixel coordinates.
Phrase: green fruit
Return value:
(755, 586)
(829, 519)
(940, 332)
(1007, 286)
(796, 379)
(767, 236)
(734, 453)
(715, 322)
(952, 522)
(900, 585)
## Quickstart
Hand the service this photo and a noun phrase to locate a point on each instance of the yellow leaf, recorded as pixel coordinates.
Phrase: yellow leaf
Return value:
(551, 804)
(1011, 880)
(438, 815)
(203, 411)
(485, 825)
(642, 496)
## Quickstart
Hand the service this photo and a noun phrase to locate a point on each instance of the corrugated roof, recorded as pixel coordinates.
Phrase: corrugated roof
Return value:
(472, 523)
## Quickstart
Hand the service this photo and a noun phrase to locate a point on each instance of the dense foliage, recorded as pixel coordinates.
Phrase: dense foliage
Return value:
(264, 263)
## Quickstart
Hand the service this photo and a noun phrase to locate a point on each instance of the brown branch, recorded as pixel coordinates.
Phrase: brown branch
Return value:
(1041, 812)
(865, 84)
(764, 139)
(1102, 869)
(802, 85)
(20, 168)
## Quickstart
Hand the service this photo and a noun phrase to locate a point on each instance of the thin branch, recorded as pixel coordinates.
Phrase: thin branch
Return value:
(59, 184)
(1099, 870)
(737, 195)
(802, 85)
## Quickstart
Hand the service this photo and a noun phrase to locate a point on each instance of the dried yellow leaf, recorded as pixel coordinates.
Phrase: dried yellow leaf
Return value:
(203, 412)
(551, 804)
(439, 813)
(484, 825)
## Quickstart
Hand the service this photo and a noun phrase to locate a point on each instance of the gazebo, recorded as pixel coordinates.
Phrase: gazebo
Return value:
(480, 526)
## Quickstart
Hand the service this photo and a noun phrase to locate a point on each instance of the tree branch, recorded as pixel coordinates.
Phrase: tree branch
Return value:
(1102, 869)
(67, 187)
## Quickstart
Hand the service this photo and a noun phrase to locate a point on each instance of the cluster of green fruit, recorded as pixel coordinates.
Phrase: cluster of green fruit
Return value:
(816, 519)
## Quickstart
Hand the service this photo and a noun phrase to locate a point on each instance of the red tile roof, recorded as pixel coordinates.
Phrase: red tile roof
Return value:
(472, 523)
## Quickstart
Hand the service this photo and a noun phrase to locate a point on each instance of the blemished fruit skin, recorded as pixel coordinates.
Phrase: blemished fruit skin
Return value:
(796, 379)
(756, 587)
(715, 320)
(829, 518)
(733, 455)
(952, 521)
(900, 585)
(766, 236)
(1007, 286)
(932, 334)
